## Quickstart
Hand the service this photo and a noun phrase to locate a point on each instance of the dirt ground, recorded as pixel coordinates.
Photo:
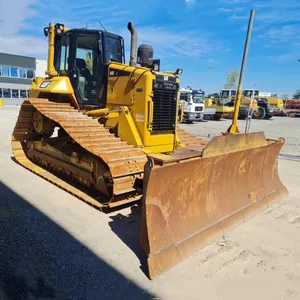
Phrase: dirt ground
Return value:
(54, 246)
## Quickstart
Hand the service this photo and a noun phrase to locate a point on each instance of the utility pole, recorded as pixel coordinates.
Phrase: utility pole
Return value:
(233, 127)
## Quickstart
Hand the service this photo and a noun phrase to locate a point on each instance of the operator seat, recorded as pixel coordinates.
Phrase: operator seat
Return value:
(85, 78)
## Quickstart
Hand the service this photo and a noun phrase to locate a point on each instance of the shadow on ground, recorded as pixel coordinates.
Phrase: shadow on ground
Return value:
(127, 228)
(40, 260)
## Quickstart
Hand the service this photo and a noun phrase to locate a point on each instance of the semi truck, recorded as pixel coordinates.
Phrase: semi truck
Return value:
(193, 105)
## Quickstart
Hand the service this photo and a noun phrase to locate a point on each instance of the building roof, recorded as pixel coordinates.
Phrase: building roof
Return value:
(16, 55)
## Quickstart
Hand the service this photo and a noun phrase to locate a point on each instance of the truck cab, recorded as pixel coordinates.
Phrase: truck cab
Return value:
(193, 102)
(251, 93)
(227, 95)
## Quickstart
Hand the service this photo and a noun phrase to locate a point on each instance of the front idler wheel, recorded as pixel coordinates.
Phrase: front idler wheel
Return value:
(42, 125)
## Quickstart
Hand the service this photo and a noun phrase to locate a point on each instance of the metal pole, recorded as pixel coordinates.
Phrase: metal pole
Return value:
(250, 111)
(233, 127)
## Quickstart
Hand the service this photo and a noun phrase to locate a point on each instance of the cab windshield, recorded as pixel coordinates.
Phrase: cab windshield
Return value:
(198, 98)
(247, 93)
(225, 94)
(113, 48)
(184, 97)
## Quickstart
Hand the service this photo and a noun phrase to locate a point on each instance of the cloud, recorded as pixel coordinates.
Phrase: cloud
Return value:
(277, 4)
(286, 57)
(233, 1)
(14, 19)
(166, 42)
(284, 34)
(277, 12)
(228, 10)
(213, 61)
(14, 15)
(24, 45)
(190, 2)
(179, 44)
(21, 24)
(278, 16)
(235, 17)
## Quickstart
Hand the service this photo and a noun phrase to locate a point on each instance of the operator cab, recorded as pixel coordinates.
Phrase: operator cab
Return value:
(198, 96)
(186, 96)
(227, 97)
(83, 55)
(228, 93)
(250, 93)
(192, 96)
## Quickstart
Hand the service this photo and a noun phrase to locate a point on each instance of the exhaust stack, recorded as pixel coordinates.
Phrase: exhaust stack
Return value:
(133, 44)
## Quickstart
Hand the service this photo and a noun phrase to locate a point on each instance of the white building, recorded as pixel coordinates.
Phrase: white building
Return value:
(16, 74)
(40, 68)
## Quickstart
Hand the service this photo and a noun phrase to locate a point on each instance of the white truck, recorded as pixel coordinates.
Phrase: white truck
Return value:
(194, 107)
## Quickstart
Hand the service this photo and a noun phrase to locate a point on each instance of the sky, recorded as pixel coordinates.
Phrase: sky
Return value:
(205, 38)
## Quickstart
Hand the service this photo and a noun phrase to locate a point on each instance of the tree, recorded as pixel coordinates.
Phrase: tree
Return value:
(232, 79)
(296, 95)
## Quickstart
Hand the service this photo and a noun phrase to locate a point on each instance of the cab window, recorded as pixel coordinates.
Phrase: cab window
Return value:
(113, 48)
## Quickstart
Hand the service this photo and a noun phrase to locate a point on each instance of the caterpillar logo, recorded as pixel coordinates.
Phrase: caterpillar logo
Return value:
(170, 86)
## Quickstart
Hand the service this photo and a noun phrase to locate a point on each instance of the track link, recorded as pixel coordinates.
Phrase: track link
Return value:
(125, 162)
(188, 139)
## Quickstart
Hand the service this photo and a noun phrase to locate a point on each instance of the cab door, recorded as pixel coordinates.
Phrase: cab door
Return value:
(85, 66)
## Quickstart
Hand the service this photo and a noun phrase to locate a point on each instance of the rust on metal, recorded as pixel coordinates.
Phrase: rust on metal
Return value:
(116, 165)
(188, 205)
(190, 198)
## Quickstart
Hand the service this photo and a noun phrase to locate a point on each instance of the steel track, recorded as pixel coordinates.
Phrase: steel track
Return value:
(125, 163)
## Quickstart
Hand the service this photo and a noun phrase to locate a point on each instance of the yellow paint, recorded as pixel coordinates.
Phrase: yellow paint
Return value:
(51, 50)
(51, 38)
(127, 130)
(234, 127)
(252, 102)
(112, 119)
(129, 89)
(181, 112)
(276, 102)
(163, 147)
(54, 85)
(218, 106)
(98, 112)
(133, 88)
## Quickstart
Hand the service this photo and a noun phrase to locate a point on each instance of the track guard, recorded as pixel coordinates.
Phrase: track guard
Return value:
(188, 204)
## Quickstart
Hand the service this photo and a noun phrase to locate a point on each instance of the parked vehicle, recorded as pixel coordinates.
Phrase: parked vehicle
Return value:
(194, 106)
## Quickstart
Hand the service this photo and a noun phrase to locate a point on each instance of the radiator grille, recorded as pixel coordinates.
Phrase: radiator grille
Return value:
(198, 108)
(164, 106)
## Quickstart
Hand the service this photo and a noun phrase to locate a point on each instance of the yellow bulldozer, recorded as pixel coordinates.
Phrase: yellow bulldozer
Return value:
(107, 132)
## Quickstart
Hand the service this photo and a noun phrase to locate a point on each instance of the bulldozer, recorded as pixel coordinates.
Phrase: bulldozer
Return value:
(108, 133)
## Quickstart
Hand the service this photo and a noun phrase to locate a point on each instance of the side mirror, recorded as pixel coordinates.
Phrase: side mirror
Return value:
(46, 31)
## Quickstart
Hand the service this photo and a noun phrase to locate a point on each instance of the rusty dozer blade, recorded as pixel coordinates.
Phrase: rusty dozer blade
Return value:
(189, 203)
